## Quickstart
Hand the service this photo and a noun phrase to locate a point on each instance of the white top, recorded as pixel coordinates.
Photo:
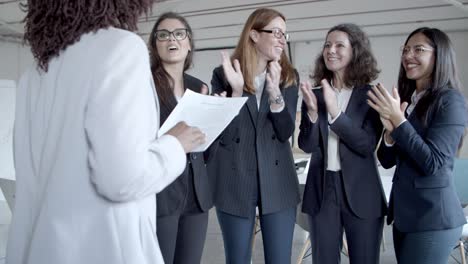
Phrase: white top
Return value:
(333, 157)
(87, 162)
(259, 83)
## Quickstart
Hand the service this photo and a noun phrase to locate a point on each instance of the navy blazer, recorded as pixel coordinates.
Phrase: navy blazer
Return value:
(171, 198)
(358, 129)
(254, 154)
(423, 195)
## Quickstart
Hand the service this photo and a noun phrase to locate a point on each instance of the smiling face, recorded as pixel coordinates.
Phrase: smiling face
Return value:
(419, 65)
(267, 45)
(337, 52)
(172, 51)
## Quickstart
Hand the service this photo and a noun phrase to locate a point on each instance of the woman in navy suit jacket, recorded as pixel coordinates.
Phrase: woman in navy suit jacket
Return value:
(182, 207)
(254, 165)
(422, 142)
(343, 190)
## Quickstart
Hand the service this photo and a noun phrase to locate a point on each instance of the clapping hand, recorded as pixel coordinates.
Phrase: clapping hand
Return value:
(391, 111)
(309, 98)
(330, 99)
(233, 74)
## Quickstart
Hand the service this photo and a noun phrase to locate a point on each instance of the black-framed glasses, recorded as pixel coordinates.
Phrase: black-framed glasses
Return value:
(276, 32)
(178, 33)
(415, 50)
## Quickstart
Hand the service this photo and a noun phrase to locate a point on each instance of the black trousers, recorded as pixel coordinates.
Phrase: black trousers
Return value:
(181, 237)
(326, 228)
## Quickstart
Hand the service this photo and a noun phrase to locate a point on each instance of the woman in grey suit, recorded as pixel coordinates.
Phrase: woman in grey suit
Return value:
(254, 165)
(343, 190)
(422, 141)
(182, 207)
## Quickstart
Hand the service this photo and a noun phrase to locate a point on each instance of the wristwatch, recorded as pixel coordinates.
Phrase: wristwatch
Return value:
(278, 100)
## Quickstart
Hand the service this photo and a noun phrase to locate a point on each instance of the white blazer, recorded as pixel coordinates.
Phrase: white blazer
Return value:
(87, 162)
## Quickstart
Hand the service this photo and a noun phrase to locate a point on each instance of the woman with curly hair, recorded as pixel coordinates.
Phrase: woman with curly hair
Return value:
(87, 162)
(343, 190)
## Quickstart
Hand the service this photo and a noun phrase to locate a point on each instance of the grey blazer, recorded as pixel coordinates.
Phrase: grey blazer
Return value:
(254, 154)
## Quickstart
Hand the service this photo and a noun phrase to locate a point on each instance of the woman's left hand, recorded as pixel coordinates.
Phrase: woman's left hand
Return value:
(388, 106)
(273, 77)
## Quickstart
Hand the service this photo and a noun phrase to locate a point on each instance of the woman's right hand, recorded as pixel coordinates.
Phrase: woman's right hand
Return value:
(189, 137)
(233, 74)
(309, 97)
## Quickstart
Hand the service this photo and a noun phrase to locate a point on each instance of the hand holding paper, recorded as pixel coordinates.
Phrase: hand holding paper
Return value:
(211, 114)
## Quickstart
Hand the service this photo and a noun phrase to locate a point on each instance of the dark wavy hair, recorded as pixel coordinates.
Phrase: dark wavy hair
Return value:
(362, 68)
(444, 75)
(52, 25)
(163, 81)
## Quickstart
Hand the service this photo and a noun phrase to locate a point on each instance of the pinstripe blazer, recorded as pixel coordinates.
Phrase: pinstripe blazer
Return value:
(423, 195)
(171, 199)
(358, 129)
(254, 153)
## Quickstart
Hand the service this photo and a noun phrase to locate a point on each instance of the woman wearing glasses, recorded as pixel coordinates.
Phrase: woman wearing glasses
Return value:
(343, 191)
(254, 165)
(422, 140)
(182, 207)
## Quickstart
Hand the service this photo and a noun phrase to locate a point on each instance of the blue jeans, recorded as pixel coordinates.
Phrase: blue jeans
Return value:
(428, 247)
(277, 232)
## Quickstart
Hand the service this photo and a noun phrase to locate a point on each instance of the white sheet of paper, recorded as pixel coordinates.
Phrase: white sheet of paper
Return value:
(211, 114)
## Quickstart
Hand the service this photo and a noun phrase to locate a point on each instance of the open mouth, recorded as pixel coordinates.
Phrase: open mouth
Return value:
(172, 48)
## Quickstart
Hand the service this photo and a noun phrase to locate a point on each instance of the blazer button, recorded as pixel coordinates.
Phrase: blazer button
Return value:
(276, 162)
(237, 140)
(273, 137)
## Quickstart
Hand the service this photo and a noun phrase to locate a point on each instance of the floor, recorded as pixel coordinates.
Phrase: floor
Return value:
(214, 251)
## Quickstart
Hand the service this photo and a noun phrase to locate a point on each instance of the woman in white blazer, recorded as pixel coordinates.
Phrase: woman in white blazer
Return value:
(87, 162)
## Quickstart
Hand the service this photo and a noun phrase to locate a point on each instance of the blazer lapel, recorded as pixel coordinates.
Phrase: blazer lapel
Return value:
(252, 107)
(358, 97)
(264, 105)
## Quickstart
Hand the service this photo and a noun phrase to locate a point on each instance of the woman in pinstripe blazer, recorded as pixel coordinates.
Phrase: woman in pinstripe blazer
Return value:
(254, 164)
(182, 207)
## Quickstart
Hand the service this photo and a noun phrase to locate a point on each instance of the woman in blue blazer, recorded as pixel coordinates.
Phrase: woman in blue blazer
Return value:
(182, 207)
(422, 141)
(343, 190)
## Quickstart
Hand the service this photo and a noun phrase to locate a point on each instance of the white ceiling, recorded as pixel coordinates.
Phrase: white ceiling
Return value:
(217, 23)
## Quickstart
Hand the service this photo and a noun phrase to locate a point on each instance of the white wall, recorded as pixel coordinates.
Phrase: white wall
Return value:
(204, 64)
(14, 59)
(7, 109)
(387, 52)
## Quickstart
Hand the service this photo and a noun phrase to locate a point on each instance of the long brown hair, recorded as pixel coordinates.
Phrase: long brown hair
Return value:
(163, 81)
(444, 75)
(361, 70)
(246, 53)
(52, 25)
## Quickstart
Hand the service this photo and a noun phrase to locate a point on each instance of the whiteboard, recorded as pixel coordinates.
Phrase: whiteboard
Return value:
(7, 114)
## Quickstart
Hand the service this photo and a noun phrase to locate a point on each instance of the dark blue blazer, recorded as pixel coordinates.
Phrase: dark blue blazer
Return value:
(358, 129)
(423, 196)
(254, 154)
(171, 199)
